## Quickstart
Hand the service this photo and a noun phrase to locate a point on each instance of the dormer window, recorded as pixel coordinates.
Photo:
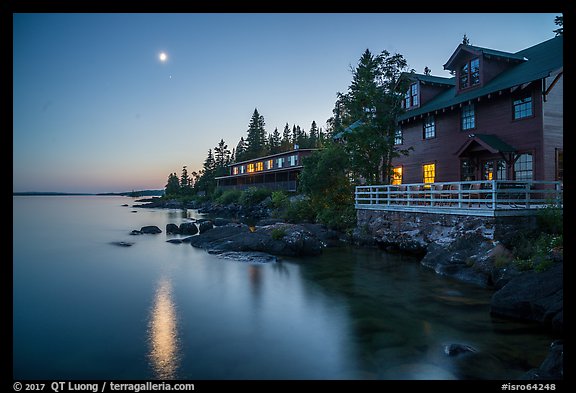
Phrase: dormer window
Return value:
(470, 74)
(411, 98)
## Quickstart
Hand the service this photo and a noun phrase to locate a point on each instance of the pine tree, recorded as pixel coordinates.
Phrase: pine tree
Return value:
(240, 150)
(274, 142)
(286, 139)
(256, 138)
(373, 98)
(221, 154)
(559, 21)
(313, 136)
(173, 185)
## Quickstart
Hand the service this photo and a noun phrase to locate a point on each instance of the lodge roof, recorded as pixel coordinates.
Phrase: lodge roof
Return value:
(542, 60)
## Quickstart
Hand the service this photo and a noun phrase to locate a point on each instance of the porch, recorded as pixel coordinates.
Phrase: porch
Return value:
(473, 198)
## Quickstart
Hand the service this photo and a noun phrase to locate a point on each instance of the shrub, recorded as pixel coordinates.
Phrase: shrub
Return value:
(550, 219)
(229, 196)
(279, 199)
(253, 195)
(300, 211)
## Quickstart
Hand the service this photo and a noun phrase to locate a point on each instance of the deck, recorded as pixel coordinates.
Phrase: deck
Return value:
(489, 198)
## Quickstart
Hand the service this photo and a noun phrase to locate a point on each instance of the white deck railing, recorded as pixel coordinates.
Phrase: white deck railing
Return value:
(488, 197)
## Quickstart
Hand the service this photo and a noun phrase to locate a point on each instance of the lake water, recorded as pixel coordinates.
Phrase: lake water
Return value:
(85, 308)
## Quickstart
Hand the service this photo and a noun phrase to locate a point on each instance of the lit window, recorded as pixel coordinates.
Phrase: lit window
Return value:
(235, 170)
(242, 169)
(397, 175)
(293, 160)
(429, 171)
(468, 118)
(250, 168)
(429, 128)
(269, 164)
(467, 170)
(398, 137)
(523, 107)
(259, 166)
(523, 167)
(280, 162)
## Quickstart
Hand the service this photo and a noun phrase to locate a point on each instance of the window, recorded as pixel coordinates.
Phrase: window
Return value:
(398, 137)
(522, 107)
(397, 175)
(474, 72)
(467, 170)
(523, 167)
(560, 164)
(269, 164)
(429, 128)
(293, 160)
(429, 171)
(469, 74)
(259, 166)
(250, 168)
(411, 97)
(468, 118)
(280, 162)
(235, 170)
(242, 169)
(494, 170)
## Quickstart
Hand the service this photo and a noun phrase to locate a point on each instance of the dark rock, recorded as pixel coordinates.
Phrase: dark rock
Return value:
(294, 240)
(174, 241)
(122, 244)
(205, 226)
(458, 349)
(136, 232)
(125, 204)
(552, 368)
(218, 222)
(134, 211)
(534, 296)
(172, 229)
(186, 239)
(153, 229)
(467, 258)
(188, 228)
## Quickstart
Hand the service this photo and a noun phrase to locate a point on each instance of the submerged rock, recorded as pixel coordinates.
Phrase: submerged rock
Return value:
(122, 244)
(248, 257)
(458, 349)
(174, 241)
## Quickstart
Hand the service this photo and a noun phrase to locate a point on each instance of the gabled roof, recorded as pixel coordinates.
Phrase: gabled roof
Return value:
(477, 51)
(492, 143)
(428, 79)
(543, 59)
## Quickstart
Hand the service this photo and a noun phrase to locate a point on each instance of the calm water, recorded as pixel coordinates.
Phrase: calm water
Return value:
(88, 309)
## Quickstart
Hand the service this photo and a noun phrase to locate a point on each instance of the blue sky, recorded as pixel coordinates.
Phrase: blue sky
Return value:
(95, 110)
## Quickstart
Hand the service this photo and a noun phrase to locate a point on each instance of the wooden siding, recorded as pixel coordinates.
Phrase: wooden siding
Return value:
(492, 67)
(553, 125)
(493, 115)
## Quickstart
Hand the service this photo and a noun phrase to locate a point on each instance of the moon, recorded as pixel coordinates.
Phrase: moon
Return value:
(163, 57)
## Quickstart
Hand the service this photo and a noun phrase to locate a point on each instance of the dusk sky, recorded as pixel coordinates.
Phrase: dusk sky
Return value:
(96, 110)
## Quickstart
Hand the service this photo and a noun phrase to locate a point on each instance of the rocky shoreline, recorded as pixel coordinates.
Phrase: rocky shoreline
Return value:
(465, 252)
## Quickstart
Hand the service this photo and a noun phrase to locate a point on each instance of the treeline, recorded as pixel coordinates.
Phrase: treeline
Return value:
(258, 143)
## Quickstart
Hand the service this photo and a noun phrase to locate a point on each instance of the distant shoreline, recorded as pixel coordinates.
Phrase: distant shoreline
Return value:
(125, 193)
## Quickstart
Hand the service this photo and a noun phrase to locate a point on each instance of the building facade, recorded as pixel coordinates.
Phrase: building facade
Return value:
(275, 172)
(499, 118)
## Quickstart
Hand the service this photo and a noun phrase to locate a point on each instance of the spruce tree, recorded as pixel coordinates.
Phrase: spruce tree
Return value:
(240, 150)
(256, 138)
(286, 139)
(173, 185)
